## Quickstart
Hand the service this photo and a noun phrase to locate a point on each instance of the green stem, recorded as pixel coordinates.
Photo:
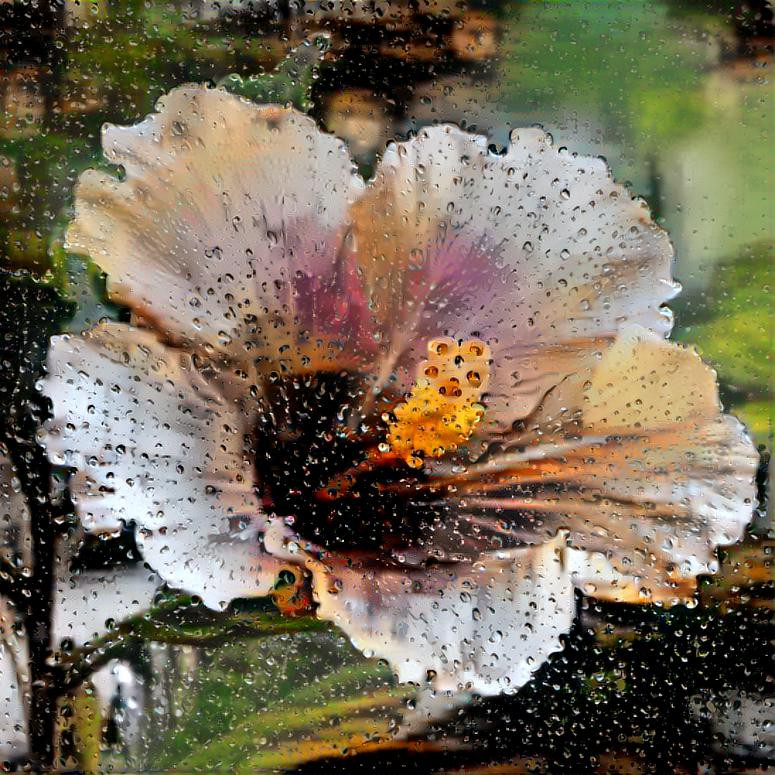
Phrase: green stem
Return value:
(159, 625)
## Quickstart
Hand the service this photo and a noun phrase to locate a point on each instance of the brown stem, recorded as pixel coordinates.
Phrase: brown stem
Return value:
(35, 605)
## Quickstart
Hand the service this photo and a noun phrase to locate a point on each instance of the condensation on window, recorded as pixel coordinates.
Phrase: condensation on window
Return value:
(386, 386)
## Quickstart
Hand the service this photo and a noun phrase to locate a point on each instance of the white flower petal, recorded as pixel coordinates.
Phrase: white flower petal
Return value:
(216, 568)
(485, 627)
(146, 431)
(156, 443)
(227, 217)
(537, 251)
(742, 723)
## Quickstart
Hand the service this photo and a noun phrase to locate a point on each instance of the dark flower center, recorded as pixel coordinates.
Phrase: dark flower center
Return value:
(316, 463)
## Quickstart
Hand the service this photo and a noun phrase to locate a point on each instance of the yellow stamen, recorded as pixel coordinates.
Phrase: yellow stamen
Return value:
(443, 408)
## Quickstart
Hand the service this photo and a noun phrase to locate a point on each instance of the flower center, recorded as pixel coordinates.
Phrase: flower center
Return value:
(310, 451)
(443, 408)
(344, 480)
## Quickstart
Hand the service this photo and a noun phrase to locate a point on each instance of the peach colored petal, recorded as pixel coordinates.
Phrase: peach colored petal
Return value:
(536, 251)
(674, 451)
(639, 464)
(227, 218)
(485, 627)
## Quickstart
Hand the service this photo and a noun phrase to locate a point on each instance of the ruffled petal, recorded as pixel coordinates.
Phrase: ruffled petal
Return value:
(484, 627)
(155, 442)
(638, 463)
(668, 451)
(216, 568)
(226, 224)
(536, 251)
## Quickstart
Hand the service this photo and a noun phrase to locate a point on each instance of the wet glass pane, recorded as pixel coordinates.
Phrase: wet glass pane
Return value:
(386, 386)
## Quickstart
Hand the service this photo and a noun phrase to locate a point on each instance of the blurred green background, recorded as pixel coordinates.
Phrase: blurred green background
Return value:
(676, 95)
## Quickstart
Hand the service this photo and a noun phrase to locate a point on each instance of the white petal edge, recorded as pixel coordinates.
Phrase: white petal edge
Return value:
(484, 628)
(156, 443)
(224, 204)
(14, 688)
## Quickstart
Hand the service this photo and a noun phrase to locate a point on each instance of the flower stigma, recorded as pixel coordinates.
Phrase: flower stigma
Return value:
(443, 409)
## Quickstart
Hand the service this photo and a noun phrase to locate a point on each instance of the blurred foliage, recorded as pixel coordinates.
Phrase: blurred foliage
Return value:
(731, 324)
(631, 65)
(79, 734)
(253, 703)
(290, 83)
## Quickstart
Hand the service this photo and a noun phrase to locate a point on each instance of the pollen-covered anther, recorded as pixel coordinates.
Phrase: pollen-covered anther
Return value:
(443, 408)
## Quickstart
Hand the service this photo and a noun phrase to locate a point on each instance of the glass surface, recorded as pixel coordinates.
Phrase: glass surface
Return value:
(377, 459)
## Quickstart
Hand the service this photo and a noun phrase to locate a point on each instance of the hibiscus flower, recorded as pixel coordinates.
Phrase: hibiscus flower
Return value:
(444, 397)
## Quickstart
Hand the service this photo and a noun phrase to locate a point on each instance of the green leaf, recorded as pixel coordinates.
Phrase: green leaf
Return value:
(274, 703)
(290, 83)
(178, 619)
